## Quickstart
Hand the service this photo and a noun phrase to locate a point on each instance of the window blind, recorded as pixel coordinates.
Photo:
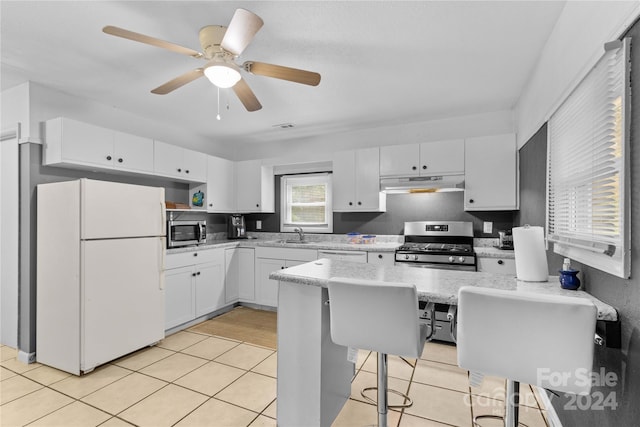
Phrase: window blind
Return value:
(587, 211)
(306, 201)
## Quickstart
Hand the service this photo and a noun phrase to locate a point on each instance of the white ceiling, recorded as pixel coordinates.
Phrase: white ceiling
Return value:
(381, 62)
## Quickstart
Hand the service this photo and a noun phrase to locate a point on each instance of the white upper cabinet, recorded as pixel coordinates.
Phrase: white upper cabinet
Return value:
(81, 145)
(400, 160)
(491, 173)
(195, 164)
(356, 181)
(442, 157)
(221, 185)
(132, 152)
(177, 162)
(254, 187)
(425, 159)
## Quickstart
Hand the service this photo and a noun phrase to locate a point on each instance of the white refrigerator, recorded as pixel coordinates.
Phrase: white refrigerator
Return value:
(100, 279)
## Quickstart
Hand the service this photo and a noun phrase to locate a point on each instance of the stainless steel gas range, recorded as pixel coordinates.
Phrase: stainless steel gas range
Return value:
(438, 244)
(442, 245)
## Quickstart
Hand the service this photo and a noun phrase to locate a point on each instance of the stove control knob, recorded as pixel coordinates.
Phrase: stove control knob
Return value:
(461, 259)
(415, 257)
(452, 259)
(406, 257)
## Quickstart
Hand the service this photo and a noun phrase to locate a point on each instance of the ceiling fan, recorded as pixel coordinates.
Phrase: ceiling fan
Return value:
(220, 48)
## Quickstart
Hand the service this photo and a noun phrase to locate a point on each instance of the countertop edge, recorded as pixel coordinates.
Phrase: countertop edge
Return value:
(317, 273)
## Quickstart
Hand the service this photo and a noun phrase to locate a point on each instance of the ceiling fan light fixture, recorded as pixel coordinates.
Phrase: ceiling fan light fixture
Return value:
(222, 75)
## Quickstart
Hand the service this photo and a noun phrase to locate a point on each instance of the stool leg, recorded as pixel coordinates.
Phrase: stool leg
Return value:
(382, 390)
(512, 404)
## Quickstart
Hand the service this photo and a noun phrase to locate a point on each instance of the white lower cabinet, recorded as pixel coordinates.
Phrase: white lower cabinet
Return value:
(272, 259)
(497, 265)
(240, 278)
(267, 288)
(381, 258)
(179, 296)
(353, 256)
(194, 285)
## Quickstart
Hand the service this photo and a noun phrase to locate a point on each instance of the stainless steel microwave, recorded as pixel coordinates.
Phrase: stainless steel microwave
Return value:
(186, 233)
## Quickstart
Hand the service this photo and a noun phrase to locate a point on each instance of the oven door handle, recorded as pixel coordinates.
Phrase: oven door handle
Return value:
(431, 309)
(452, 317)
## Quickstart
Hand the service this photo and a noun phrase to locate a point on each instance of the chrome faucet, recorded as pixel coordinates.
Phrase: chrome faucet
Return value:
(300, 233)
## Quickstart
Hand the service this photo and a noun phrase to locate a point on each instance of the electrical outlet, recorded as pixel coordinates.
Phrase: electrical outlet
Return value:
(488, 227)
(258, 225)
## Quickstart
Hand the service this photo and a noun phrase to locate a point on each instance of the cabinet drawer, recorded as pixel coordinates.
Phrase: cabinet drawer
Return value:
(183, 259)
(382, 258)
(287, 253)
(352, 256)
(497, 265)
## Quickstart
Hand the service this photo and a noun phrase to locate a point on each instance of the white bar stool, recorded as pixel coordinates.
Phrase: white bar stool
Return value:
(377, 316)
(537, 339)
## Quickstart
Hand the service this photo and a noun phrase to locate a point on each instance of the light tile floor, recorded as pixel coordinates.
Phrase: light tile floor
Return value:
(192, 379)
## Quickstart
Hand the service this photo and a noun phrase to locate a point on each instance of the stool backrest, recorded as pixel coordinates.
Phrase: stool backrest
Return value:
(537, 339)
(376, 316)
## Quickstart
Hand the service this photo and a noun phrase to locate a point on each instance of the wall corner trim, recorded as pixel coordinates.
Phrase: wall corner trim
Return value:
(30, 140)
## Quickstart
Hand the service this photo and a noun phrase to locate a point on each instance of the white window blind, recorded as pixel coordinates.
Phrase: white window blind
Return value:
(587, 190)
(306, 203)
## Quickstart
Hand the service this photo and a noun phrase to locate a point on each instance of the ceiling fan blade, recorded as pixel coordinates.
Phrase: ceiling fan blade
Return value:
(243, 27)
(179, 81)
(246, 96)
(126, 34)
(284, 73)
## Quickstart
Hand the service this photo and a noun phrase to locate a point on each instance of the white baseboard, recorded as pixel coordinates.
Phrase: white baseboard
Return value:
(26, 357)
(552, 416)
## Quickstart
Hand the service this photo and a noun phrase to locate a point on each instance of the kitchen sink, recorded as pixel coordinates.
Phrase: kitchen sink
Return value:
(292, 241)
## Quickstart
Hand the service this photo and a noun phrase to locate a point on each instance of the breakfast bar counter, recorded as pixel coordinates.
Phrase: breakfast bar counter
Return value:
(314, 374)
(434, 285)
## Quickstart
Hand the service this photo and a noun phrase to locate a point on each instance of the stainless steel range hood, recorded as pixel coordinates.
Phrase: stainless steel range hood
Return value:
(422, 184)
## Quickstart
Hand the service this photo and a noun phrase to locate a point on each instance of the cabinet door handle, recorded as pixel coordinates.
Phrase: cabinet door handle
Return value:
(108, 157)
(424, 166)
(120, 160)
(210, 205)
(470, 200)
(379, 256)
(186, 171)
(359, 203)
(500, 262)
(179, 170)
(281, 268)
(350, 203)
(193, 274)
(413, 168)
(198, 273)
(257, 205)
(195, 254)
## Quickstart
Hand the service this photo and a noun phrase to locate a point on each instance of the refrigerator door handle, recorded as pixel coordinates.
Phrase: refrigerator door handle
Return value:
(162, 259)
(162, 255)
(163, 215)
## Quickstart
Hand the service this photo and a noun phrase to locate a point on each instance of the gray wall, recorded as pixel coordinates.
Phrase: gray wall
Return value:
(400, 208)
(620, 293)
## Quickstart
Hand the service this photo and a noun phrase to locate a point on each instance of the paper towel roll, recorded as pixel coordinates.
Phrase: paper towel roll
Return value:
(530, 253)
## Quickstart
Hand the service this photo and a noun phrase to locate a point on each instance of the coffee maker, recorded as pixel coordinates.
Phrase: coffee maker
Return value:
(236, 228)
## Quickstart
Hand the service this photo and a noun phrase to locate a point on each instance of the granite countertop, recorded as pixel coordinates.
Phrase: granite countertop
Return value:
(493, 252)
(322, 245)
(335, 246)
(440, 286)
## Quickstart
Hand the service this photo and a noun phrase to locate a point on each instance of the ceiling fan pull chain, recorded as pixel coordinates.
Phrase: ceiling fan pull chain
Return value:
(218, 116)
